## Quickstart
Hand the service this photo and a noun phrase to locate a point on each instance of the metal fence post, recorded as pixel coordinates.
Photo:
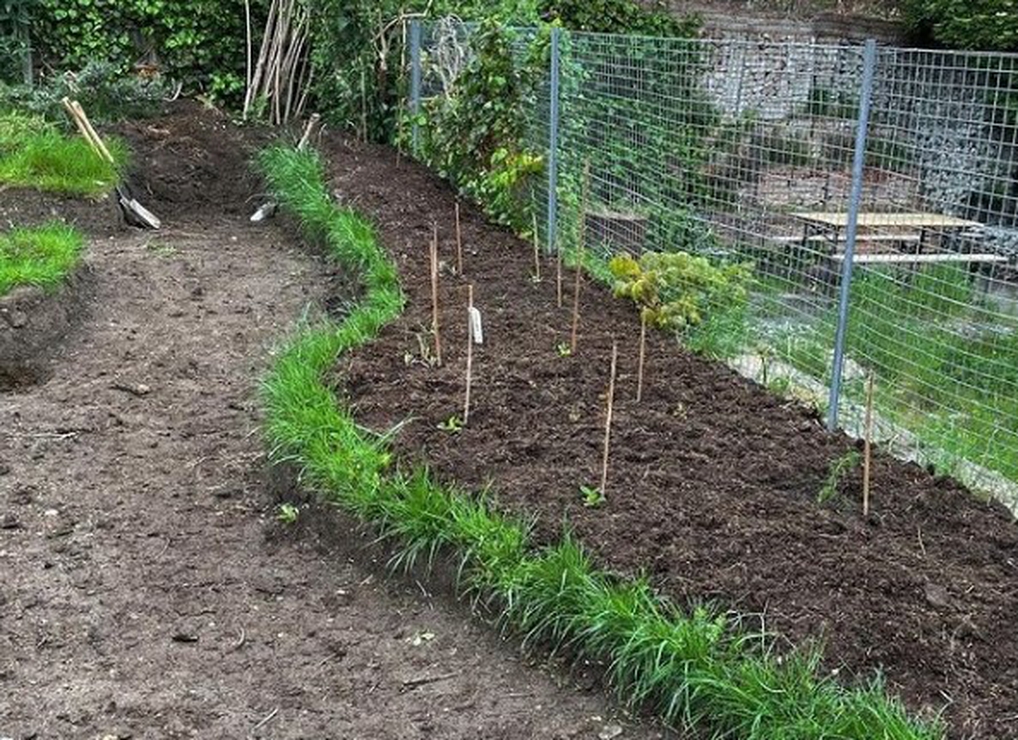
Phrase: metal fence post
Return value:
(415, 81)
(553, 123)
(851, 229)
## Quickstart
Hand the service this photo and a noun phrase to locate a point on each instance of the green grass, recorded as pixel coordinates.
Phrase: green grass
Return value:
(697, 668)
(35, 154)
(41, 256)
(940, 373)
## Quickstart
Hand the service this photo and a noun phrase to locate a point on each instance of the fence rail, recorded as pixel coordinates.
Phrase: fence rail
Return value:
(874, 190)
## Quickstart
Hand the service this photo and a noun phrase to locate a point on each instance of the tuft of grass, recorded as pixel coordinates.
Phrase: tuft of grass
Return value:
(41, 256)
(697, 668)
(34, 154)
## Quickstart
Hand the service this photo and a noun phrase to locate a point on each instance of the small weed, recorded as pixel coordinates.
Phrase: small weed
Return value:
(838, 469)
(563, 349)
(287, 513)
(160, 249)
(453, 425)
(592, 497)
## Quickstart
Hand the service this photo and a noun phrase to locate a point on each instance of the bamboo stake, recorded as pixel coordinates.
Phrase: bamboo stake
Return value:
(867, 445)
(364, 106)
(459, 242)
(537, 253)
(643, 352)
(434, 297)
(470, 352)
(247, 23)
(292, 64)
(576, 302)
(306, 137)
(256, 80)
(579, 255)
(558, 275)
(608, 418)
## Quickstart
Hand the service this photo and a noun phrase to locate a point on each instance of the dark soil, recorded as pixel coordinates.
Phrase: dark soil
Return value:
(146, 590)
(33, 321)
(714, 482)
(98, 216)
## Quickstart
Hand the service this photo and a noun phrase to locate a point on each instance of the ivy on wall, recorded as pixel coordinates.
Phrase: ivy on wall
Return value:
(200, 44)
(986, 25)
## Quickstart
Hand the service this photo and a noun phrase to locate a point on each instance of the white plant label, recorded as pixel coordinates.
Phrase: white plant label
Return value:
(476, 330)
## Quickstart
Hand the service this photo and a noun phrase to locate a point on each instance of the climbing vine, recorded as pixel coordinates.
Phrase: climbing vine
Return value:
(475, 132)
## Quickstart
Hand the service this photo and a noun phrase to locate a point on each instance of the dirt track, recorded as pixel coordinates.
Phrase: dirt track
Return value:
(146, 590)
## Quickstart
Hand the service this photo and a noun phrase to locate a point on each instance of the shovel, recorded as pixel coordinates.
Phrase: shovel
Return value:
(134, 212)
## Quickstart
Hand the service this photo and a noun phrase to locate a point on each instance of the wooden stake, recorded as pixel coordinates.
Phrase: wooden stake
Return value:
(643, 351)
(308, 130)
(579, 255)
(576, 303)
(608, 419)
(537, 253)
(470, 352)
(459, 242)
(250, 56)
(364, 106)
(434, 297)
(867, 445)
(558, 275)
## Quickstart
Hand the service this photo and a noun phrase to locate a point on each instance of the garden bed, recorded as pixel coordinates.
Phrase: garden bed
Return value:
(714, 482)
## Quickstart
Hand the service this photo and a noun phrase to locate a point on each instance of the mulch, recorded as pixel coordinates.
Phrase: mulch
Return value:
(714, 481)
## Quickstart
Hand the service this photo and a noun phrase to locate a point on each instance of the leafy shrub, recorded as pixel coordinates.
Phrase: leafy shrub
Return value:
(677, 290)
(976, 24)
(102, 89)
(619, 16)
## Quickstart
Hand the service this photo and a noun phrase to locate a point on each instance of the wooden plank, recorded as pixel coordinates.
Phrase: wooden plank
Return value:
(861, 238)
(952, 257)
(839, 219)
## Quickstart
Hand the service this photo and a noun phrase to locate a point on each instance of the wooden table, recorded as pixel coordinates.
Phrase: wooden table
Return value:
(892, 228)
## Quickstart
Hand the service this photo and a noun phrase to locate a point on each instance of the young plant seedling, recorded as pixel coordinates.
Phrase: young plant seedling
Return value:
(838, 469)
(453, 425)
(563, 349)
(592, 497)
(287, 513)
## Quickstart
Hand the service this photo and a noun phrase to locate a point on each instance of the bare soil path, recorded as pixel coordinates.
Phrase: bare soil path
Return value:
(146, 590)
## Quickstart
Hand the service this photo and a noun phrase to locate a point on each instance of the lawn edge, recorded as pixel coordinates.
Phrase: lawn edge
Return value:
(49, 274)
(698, 669)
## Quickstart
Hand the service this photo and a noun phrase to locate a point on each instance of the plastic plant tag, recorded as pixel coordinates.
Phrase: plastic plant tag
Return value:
(476, 330)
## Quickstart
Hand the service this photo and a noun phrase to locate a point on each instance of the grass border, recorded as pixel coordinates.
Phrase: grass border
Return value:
(700, 668)
(39, 256)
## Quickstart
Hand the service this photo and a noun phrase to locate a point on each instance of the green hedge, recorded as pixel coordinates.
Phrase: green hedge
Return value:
(696, 668)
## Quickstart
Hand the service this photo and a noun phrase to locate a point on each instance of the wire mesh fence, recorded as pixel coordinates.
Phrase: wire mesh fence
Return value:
(875, 188)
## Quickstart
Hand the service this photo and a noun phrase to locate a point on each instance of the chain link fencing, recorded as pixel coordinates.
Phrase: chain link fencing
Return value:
(873, 190)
